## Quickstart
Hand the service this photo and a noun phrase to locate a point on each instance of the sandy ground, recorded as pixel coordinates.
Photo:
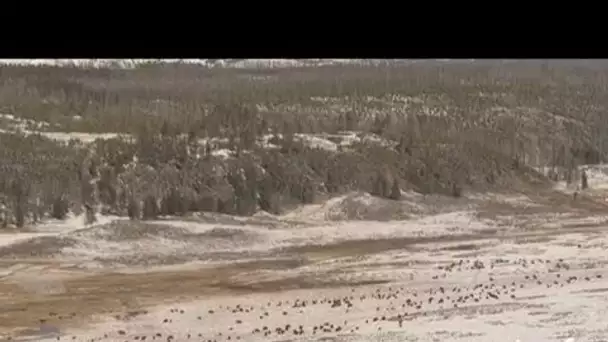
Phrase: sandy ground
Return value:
(527, 268)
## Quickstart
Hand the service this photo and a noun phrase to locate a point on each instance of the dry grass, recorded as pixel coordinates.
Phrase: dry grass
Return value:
(543, 202)
(117, 295)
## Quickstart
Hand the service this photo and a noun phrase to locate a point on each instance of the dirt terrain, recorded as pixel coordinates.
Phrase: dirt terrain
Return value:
(534, 269)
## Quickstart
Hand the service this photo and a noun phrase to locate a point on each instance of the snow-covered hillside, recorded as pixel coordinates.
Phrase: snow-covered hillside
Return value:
(287, 63)
(224, 63)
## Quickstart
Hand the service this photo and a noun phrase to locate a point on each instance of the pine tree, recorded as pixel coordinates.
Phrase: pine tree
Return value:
(584, 182)
(150, 210)
(456, 190)
(133, 209)
(20, 192)
(87, 196)
(395, 191)
(59, 208)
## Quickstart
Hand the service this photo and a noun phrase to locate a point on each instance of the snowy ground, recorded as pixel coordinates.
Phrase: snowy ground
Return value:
(443, 272)
(532, 292)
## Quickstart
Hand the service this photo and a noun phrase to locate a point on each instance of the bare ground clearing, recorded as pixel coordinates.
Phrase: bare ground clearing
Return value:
(85, 295)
